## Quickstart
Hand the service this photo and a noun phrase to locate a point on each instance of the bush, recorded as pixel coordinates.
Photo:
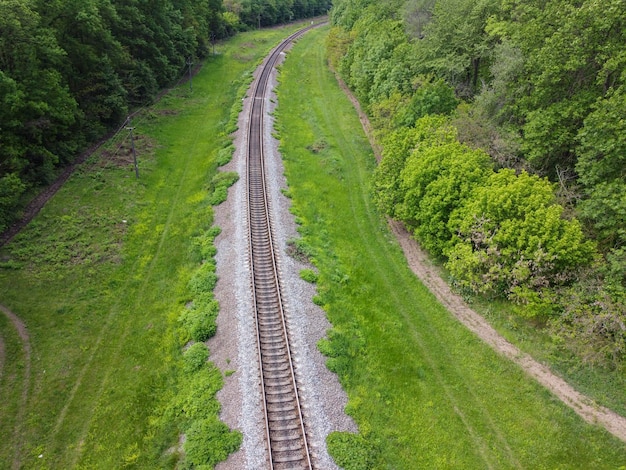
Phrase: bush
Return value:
(309, 275)
(351, 451)
(430, 98)
(436, 180)
(204, 279)
(512, 240)
(209, 441)
(220, 184)
(195, 357)
(592, 323)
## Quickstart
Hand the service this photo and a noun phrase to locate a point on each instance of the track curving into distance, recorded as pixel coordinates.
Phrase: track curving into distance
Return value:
(285, 428)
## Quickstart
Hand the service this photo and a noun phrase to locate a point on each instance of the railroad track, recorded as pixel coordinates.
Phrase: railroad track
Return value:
(284, 423)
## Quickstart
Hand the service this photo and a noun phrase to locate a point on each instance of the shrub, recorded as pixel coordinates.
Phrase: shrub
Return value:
(309, 275)
(204, 279)
(512, 240)
(209, 441)
(220, 184)
(351, 451)
(195, 357)
(436, 180)
(387, 182)
(592, 323)
(198, 322)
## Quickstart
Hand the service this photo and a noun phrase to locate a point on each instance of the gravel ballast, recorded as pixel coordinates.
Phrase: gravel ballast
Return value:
(234, 347)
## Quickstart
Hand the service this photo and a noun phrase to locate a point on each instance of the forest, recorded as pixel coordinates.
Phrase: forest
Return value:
(71, 71)
(502, 126)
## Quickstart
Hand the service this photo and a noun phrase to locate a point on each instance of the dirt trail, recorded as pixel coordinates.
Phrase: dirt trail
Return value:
(429, 275)
(20, 327)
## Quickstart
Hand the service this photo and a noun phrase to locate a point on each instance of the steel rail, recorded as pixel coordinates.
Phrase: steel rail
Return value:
(284, 422)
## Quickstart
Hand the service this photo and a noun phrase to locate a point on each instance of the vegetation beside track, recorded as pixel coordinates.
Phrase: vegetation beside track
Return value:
(424, 391)
(102, 277)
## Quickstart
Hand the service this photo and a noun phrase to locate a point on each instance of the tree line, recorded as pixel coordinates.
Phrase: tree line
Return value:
(504, 152)
(72, 70)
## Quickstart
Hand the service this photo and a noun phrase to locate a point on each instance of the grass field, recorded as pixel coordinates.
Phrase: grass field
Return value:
(424, 391)
(100, 277)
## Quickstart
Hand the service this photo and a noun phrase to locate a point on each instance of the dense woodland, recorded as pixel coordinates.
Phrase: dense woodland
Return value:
(72, 70)
(503, 127)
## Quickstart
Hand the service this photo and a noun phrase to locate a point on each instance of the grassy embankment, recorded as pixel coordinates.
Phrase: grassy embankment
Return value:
(102, 274)
(424, 391)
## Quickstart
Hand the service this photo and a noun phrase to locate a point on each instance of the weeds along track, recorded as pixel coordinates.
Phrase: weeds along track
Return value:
(285, 427)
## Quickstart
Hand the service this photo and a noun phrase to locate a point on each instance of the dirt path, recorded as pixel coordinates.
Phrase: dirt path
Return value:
(20, 327)
(429, 275)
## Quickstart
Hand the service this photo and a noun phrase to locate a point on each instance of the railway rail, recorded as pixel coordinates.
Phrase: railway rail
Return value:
(284, 422)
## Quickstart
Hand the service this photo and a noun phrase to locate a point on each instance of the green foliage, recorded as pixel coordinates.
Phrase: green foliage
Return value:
(602, 168)
(351, 451)
(429, 98)
(203, 280)
(225, 155)
(309, 275)
(11, 188)
(260, 13)
(198, 322)
(438, 177)
(208, 442)
(592, 323)
(455, 45)
(387, 182)
(220, 184)
(195, 357)
(513, 240)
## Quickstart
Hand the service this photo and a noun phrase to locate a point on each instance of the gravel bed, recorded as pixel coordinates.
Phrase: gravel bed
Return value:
(234, 347)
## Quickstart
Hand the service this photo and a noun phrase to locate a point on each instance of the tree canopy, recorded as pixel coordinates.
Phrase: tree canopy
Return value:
(71, 70)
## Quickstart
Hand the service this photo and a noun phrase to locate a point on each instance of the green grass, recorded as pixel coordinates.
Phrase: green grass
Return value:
(423, 390)
(101, 276)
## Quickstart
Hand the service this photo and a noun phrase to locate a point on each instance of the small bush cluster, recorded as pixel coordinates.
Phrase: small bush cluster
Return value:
(207, 440)
(219, 186)
(309, 275)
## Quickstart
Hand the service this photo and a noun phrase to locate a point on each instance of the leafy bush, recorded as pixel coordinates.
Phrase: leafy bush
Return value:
(438, 177)
(387, 182)
(351, 451)
(220, 184)
(225, 155)
(430, 98)
(309, 275)
(11, 188)
(204, 279)
(512, 239)
(195, 357)
(209, 441)
(198, 322)
(592, 323)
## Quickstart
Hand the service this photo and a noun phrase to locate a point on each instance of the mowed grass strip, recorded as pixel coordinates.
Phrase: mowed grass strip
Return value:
(424, 391)
(100, 277)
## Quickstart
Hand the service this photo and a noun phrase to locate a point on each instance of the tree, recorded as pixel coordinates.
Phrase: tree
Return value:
(438, 177)
(387, 182)
(602, 168)
(512, 240)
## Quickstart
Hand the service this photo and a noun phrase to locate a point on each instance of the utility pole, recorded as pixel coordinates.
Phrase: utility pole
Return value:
(189, 63)
(132, 143)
